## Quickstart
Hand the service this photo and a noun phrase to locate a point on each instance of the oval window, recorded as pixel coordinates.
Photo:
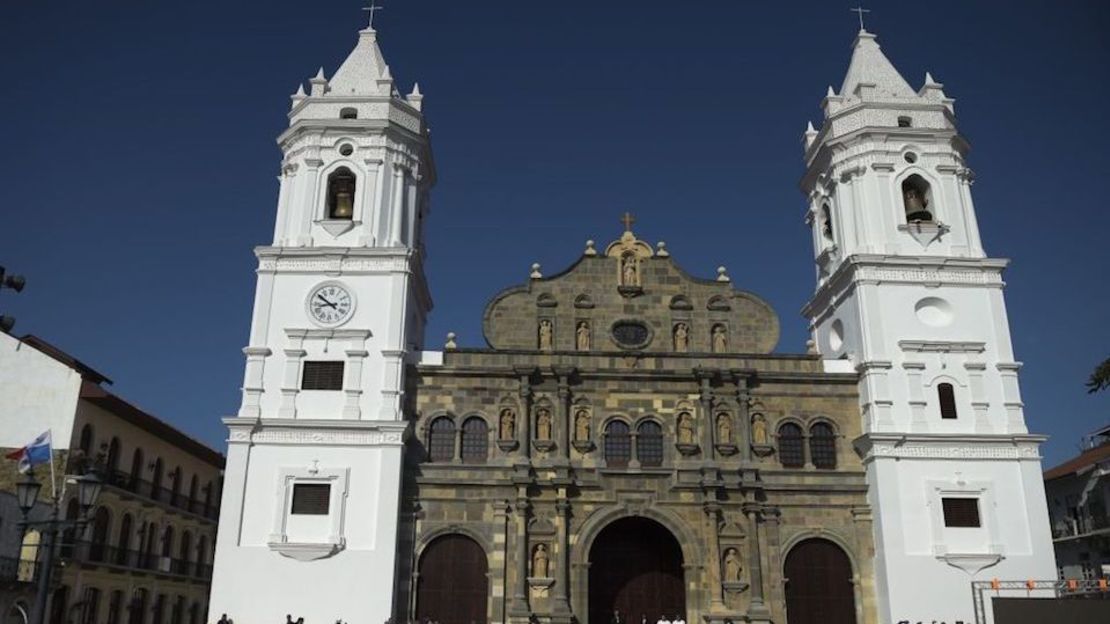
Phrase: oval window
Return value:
(631, 334)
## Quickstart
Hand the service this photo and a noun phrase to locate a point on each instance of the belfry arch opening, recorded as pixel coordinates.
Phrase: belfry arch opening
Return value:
(636, 567)
(341, 194)
(917, 197)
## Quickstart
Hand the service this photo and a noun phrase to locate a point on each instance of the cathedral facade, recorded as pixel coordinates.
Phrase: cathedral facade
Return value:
(629, 445)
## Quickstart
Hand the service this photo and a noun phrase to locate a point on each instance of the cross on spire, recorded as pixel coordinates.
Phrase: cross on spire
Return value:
(861, 11)
(373, 8)
(627, 219)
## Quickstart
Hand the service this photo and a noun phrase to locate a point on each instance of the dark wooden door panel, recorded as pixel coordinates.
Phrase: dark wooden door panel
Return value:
(453, 586)
(819, 586)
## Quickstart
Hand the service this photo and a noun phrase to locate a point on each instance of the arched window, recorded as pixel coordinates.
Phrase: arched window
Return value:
(207, 498)
(69, 536)
(175, 485)
(113, 460)
(916, 197)
(123, 542)
(98, 542)
(791, 446)
(193, 493)
(156, 480)
(86, 442)
(905, 122)
(826, 222)
(164, 563)
(475, 440)
(136, 470)
(151, 536)
(649, 443)
(822, 446)
(115, 606)
(946, 394)
(441, 440)
(59, 605)
(136, 610)
(341, 194)
(203, 571)
(184, 553)
(348, 112)
(618, 444)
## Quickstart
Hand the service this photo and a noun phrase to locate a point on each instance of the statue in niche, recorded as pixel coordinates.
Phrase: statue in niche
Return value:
(547, 333)
(540, 562)
(724, 428)
(686, 428)
(759, 430)
(681, 337)
(720, 339)
(508, 424)
(582, 336)
(732, 566)
(543, 424)
(582, 426)
(630, 270)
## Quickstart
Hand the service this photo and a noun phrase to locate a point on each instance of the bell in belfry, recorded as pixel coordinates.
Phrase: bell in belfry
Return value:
(341, 194)
(916, 205)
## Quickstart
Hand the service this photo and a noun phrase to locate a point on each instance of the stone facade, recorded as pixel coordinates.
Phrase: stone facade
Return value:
(532, 484)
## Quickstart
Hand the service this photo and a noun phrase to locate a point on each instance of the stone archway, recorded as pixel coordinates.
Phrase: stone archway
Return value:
(636, 567)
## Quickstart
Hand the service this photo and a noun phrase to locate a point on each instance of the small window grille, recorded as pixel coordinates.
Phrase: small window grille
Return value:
(322, 376)
(649, 444)
(947, 396)
(961, 512)
(905, 122)
(475, 441)
(791, 446)
(441, 440)
(348, 113)
(822, 446)
(311, 499)
(618, 444)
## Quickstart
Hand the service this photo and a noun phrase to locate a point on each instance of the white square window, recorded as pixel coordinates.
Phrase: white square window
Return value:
(309, 511)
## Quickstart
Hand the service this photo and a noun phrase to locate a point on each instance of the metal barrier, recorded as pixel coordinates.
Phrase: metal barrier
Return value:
(1067, 588)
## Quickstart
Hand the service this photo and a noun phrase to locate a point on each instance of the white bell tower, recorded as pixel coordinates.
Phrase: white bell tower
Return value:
(906, 294)
(312, 488)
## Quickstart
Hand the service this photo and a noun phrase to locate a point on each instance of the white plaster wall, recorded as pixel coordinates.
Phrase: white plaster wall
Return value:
(913, 583)
(253, 583)
(37, 393)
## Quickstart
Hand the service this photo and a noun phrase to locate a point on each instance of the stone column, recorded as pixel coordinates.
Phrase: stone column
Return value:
(708, 427)
(712, 516)
(562, 413)
(524, 418)
(757, 610)
(743, 416)
(773, 519)
(562, 574)
(520, 606)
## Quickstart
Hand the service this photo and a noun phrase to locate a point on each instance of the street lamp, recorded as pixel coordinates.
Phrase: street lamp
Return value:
(27, 493)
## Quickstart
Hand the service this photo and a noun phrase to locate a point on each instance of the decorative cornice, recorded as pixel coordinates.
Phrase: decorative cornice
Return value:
(311, 432)
(1020, 447)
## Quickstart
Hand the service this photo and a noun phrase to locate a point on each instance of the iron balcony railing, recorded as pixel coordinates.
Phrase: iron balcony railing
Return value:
(146, 489)
(100, 553)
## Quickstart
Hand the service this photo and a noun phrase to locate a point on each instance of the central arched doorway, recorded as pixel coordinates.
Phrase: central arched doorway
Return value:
(636, 568)
(453, 587)
(819, 587)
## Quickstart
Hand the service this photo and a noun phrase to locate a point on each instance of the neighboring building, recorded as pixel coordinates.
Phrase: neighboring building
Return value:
(145, 558)
(1078, 493)
(628, 440)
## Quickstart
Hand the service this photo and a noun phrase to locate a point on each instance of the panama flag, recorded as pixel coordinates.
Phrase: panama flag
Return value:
(35, 453)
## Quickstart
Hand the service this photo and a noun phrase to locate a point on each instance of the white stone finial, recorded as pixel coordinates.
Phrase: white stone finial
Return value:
(830, 92)
(416, 90)
(319, 75)
(535, 274)
(929, 78)
(811, 346)
(722, 274)
(299, 96)
(451, 345)
(415, 98)
(318, 83)
(661, 249)
(590, 251)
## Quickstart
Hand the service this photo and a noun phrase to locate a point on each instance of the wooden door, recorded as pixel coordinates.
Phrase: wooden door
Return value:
(636, 568)
(453, 586)
(819, 586)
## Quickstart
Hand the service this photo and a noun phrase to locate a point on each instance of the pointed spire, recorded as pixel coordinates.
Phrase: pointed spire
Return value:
(299, 96)
(810, 134)
(870, 73)
(318, 84)
(416, 98)
(361, 73)
(416, 90)
(320, 75)
(830, 92)
(929, 79)
(932, 90)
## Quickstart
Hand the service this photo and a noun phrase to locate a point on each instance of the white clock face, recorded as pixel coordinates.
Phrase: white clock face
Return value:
(330, 304)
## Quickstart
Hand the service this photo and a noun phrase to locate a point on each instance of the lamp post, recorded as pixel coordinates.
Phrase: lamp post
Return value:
(27, 493)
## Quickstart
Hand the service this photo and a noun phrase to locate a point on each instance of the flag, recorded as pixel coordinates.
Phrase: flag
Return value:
(35, 453)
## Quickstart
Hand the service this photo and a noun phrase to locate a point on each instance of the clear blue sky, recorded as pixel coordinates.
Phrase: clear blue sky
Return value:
(138, 161)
